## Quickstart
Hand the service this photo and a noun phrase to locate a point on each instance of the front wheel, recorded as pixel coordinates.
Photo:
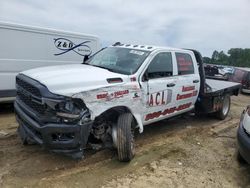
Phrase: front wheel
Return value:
(125, 137)
(223, 112)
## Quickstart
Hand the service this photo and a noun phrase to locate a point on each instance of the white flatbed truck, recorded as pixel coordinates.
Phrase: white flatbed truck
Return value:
(102, 101)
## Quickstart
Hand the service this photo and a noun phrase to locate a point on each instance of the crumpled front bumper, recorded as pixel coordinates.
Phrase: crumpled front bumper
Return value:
(69, 139)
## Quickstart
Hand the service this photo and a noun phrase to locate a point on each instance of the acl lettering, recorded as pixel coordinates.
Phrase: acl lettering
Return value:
(167, 111)
(160, 98)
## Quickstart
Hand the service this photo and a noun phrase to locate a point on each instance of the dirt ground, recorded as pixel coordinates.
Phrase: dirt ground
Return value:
(182, 152)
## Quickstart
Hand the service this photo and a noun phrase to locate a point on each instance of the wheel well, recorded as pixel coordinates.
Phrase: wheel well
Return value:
(112, 114)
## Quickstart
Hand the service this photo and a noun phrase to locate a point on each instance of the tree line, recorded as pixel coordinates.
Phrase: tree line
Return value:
(237, 57)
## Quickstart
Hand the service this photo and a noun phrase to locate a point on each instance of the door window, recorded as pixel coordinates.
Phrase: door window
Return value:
(161, 66)
(184, 63)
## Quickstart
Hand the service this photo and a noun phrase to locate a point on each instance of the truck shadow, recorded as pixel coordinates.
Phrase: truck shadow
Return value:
(178, 123)
(6, 108)
(245, 94)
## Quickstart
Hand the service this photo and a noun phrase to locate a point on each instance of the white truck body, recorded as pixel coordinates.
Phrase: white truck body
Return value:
(88, 82)
(121, 88)
(25, 47)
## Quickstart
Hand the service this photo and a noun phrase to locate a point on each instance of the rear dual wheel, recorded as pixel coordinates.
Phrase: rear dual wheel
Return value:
(223, 112)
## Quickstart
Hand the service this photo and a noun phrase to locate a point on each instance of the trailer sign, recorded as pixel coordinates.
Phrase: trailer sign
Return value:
(66, 45)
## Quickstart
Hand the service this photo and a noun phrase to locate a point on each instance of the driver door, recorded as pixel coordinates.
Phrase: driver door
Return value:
(160, 85)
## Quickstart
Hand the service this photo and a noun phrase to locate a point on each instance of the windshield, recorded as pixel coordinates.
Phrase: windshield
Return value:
(119, 60)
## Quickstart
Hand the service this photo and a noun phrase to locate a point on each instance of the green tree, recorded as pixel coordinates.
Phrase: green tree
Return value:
(207, 60)
(236, 57)
(215, 56)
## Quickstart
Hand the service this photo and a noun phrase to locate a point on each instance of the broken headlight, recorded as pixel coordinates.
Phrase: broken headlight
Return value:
(68, 110)
(71, 110)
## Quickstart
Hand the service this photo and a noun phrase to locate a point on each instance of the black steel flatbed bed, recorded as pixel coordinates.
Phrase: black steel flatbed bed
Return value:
(212, 92)
(218, 87)
(212, 97)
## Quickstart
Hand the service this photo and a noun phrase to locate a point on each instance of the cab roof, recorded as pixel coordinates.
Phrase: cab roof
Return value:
(147, 47)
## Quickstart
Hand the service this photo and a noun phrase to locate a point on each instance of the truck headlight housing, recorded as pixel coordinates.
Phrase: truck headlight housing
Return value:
(68, 109)
(71, 110)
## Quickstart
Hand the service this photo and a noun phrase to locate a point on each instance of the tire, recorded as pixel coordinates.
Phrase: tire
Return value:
(125, 137)
(223, 112)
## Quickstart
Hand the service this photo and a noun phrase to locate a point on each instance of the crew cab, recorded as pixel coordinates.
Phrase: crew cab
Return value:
(101, 102)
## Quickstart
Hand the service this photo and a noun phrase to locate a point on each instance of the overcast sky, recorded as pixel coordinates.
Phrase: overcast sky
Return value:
(199, 24)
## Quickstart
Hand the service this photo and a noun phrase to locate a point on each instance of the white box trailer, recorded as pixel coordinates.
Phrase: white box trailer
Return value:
(25, 47)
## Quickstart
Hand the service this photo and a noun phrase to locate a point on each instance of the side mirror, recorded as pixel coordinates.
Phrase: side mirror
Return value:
(86, 57)
(145, 76)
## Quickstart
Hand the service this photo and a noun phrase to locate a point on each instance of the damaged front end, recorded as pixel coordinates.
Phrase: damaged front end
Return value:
(61, 124)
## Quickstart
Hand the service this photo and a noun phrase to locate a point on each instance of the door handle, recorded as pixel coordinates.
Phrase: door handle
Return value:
(171, 85)
(196, 81)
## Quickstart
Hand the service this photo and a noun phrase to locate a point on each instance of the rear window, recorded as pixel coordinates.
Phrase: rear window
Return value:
(184, 63)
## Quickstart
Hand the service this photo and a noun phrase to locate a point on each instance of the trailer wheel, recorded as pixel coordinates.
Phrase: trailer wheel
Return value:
(223, 112)
(125, 137)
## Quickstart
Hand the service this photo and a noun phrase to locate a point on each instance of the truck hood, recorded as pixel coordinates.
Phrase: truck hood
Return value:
(70, 79)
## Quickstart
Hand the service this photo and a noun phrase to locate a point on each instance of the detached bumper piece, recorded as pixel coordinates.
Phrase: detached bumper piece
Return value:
(243, 143)
(60, 138)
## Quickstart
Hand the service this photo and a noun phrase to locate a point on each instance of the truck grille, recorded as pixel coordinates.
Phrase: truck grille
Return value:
(40, 108)
(30, 95)
(28, 87)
